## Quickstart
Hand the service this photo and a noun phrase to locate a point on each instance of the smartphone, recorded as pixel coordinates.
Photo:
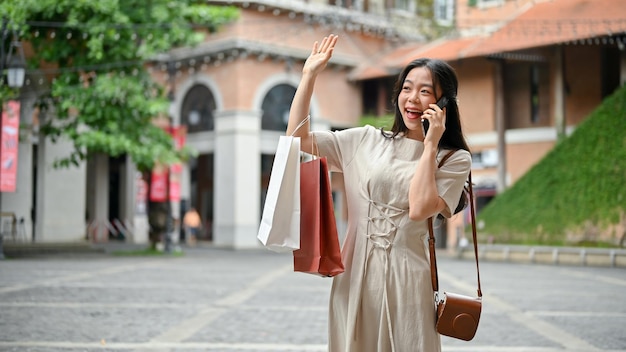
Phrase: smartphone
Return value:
(441, 103)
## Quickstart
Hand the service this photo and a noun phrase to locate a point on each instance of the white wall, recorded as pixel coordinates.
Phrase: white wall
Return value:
(60, 213)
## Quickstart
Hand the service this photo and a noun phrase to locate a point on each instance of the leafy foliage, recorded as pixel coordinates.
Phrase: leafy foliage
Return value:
(385, 121)
(579, 187)
(101, 95)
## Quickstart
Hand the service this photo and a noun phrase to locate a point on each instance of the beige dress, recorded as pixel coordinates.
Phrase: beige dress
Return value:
(384, 300)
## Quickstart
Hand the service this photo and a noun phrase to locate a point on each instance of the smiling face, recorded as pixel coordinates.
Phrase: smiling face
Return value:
(415, 96)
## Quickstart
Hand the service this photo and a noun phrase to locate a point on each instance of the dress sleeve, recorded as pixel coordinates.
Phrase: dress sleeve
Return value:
(451, 177)
(339, 147)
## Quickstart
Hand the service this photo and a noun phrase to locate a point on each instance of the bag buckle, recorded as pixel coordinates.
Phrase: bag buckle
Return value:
(440, 297)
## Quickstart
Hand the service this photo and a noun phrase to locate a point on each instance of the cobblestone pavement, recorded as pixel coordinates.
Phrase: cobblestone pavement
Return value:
(221, 300)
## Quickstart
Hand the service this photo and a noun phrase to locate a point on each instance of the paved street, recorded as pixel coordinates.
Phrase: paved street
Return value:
(248, 301)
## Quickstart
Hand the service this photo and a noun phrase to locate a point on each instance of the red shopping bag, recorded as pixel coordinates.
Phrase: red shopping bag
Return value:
(319, 253)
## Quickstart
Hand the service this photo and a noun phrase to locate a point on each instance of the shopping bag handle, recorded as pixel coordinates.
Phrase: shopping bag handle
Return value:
(304, 121)
(314, 148)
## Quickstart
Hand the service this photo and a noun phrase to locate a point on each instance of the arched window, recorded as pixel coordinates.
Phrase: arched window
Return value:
(197, 110)
(276, 107)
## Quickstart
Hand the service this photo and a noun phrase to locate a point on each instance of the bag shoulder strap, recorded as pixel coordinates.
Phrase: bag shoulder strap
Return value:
(431, 234)
(446, 157)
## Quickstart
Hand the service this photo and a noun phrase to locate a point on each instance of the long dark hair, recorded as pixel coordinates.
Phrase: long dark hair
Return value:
(445, 78)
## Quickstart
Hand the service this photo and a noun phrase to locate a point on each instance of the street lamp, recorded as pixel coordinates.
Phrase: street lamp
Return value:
(16, 66)
(15, 62)
(16, 71)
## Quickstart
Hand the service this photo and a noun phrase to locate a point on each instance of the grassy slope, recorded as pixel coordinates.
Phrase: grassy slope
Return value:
(578, 186)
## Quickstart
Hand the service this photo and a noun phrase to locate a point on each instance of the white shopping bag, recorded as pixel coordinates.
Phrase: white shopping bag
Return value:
(280, 224)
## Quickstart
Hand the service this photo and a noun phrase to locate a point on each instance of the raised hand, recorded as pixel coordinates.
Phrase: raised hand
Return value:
(320, 55)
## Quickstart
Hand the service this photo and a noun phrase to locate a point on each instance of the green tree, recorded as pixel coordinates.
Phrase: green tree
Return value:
(100, 91)
(94, 56)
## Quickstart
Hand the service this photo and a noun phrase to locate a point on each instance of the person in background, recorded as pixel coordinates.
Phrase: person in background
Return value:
(192, 225)
(384, 300)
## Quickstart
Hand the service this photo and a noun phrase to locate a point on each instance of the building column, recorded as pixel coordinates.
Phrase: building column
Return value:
(133, 203)
(98, 197)
(185, 186)
(500, 125)
(237, 179)
(20, 202)
(558, 77)
(60, 210)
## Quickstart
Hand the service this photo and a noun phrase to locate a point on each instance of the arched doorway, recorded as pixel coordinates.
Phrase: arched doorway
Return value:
(197, 113)
(276, 106)
(197, 109)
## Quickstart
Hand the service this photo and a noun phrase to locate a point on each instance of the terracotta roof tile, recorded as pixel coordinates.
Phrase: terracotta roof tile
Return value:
(546, 23)
(559, 21)
(445, 50)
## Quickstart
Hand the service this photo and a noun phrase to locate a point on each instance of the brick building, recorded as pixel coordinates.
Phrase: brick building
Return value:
(529, 72)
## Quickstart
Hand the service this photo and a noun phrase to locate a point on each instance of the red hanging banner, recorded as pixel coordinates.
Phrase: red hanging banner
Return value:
(9, 145)
(159, 182)
(176, 170)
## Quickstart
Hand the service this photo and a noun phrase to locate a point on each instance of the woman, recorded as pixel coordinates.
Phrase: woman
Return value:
(384, 300)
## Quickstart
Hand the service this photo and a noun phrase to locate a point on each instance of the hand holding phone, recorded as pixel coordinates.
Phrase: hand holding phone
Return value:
(441, 103)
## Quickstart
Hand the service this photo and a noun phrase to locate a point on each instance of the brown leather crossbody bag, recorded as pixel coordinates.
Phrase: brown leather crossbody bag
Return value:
(457, 315)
